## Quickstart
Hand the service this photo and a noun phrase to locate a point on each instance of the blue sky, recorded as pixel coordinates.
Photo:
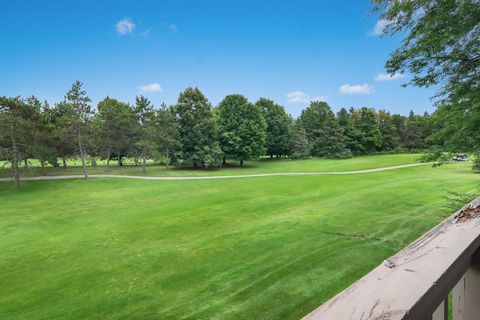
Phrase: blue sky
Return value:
(288, 51)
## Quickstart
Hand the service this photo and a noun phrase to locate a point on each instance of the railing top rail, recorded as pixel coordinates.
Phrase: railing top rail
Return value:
(412, 283)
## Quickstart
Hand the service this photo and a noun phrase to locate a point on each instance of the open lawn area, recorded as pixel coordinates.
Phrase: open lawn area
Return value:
(258, 248)
(232, 168)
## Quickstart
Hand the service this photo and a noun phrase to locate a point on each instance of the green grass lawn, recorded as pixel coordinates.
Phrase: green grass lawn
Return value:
(259, 166)
(260, 248)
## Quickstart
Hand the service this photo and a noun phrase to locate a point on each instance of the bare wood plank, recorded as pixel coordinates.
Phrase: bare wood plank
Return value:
(412, 283)
(466, 296)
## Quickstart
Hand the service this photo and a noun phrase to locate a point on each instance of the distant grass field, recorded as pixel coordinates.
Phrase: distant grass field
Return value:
(250, 167)
(260, 248)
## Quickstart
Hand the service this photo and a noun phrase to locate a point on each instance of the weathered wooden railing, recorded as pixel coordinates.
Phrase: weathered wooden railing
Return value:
(415, 283)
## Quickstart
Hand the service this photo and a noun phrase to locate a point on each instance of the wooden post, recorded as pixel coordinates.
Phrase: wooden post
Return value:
(442, 311)
(466, 294)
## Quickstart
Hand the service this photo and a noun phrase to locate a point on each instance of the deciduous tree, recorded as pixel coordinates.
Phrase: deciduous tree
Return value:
(313, 119)
(279, 128)
(169, 140)
(198, 129)
(242, 128)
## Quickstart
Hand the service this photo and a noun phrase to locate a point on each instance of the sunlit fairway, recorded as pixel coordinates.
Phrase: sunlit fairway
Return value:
(260, 166)
(258, 248)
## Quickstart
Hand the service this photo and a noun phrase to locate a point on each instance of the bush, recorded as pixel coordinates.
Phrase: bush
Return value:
(476, 165)
(299, 156)
(342, 154)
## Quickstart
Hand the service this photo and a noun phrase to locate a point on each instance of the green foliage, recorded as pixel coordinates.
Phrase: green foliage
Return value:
(198, 129)
(413, 134)
(323, 131)
(388, 131)
(242, 128)
(169, 143)
(79, 116)
(440, 49)
(333, 143)
(366, 123)
(455, 128)
(18, 121)
(190, 132)
(440, 46)
(436, 157)
(300, 146)
(147, 133)
(116, 127)
(351, 133)
(476, 165)
(279, 128)
(77, 100)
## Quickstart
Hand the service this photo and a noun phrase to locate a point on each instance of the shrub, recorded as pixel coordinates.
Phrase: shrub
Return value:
(476, 165)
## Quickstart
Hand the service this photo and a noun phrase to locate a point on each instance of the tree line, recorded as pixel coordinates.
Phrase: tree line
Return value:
(194, 133)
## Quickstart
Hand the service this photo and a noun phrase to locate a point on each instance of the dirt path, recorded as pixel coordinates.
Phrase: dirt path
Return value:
(218, 177)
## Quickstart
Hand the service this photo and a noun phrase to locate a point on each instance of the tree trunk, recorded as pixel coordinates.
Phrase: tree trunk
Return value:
(224, 162)
(16, 173)
(30, 169)
(82, 155)
(109, 154)
(119, 157)
(241, 162)
(144, 160)
(94, 162)
(271, 156)
(167, 153)
(42, 168)
(64, 163)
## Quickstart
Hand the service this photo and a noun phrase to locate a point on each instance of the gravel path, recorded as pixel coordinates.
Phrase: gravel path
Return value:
(217, 177)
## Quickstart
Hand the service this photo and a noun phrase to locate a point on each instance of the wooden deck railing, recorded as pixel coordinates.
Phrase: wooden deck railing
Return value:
(415, 283)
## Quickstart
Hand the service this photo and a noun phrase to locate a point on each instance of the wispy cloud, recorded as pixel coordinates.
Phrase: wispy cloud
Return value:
(173, 29)
(125, 26)
(388, 77)
(150, 88)
(301, 97)
(145, 33)
(356, 89)
(379, 28)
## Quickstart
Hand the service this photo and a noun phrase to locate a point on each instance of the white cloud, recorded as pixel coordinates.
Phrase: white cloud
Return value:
(356, 89)
(387, 77)
(150, 88)
(379, 28)
(301, 97)
(319, 98)
(125, 26)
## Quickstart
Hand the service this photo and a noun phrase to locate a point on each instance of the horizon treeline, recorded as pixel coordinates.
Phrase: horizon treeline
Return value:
(194, 133)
